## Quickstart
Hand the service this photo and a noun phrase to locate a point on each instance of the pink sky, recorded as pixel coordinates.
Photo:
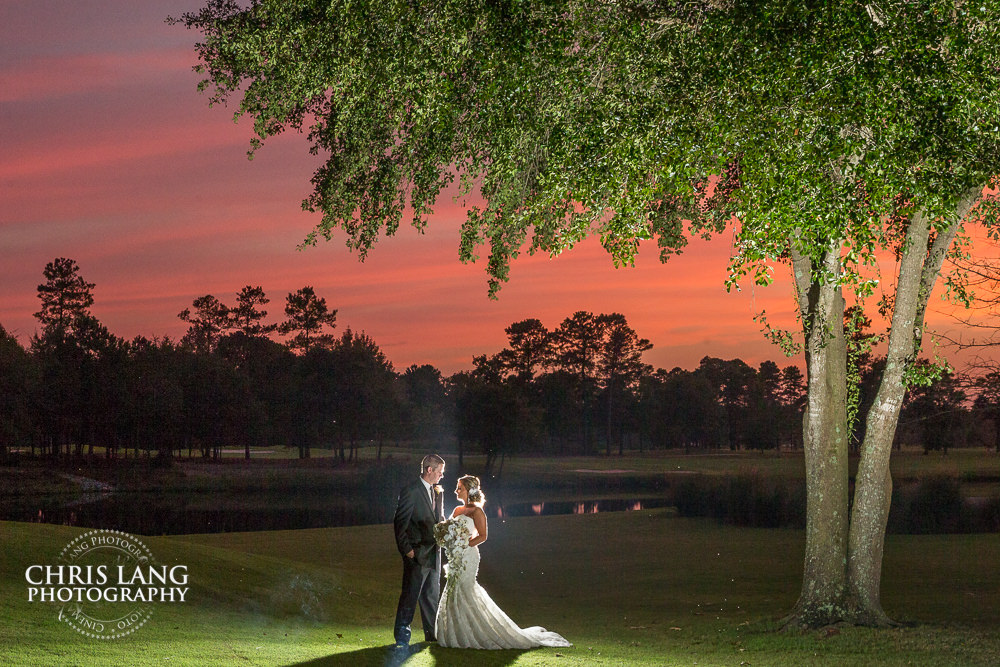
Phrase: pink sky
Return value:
(112, 158)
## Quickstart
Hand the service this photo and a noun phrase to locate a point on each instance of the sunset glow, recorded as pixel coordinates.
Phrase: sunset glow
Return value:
(113, 159)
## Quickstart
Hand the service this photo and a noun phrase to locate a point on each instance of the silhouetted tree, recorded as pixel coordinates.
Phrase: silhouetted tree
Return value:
(68, 350)
(763, 419)
(269, 370)
(154, 402)
(576, 345)
(681, 409)
(308, 317)
(366, 404)
(792, 395)
(619, 369)
(106, 390)
(17, 374)
(562, 407)
(246, 317)
(210, 320)
(66, 300)
(528, 349)
(732, 381)
(987, 402)
(935, 413)
(217, 402)
(429, 410)
(491, 412)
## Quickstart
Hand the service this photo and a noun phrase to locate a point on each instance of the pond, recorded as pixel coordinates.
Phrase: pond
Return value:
(173, 514)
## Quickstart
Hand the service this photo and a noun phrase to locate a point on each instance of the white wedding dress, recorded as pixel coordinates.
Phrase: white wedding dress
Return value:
(468, 618)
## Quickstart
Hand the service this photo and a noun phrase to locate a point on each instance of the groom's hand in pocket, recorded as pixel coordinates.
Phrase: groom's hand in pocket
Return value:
(410, 554)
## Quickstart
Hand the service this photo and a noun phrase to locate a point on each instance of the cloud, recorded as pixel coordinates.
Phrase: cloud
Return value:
(51, 78)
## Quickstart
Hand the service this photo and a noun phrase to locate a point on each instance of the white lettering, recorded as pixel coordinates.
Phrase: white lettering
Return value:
(179, 580)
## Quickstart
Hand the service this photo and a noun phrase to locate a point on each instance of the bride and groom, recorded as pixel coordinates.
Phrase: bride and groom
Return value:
(464, 615)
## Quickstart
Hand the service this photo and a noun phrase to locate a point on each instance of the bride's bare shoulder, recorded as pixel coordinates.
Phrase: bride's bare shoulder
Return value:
(470, 511)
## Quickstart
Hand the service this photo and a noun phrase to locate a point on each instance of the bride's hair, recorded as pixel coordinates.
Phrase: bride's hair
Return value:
(476, 495)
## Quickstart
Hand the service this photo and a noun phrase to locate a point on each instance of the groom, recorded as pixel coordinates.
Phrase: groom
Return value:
(419, 507)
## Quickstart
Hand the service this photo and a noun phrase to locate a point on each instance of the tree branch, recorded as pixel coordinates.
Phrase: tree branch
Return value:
(935, 257)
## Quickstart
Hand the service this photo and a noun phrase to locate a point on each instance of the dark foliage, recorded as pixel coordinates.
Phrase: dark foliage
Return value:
(577, 389)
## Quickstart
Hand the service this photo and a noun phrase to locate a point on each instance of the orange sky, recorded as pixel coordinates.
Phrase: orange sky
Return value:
(112, 158)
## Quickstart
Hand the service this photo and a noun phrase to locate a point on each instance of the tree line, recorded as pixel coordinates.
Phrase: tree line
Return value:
(580, 388)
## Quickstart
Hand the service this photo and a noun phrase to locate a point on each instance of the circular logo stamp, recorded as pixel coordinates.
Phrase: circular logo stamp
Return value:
(106, 584)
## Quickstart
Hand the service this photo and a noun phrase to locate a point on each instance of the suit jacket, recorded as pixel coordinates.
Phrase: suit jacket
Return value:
(414, 523)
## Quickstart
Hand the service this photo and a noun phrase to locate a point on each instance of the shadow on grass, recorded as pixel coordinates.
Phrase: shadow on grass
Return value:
(459, 657)
(390, 656)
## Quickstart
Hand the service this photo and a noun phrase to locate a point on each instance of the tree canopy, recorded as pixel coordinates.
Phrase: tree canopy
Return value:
(579, 118)
(826, 132)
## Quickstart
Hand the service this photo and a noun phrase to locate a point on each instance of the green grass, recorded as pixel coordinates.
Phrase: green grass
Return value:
(635, 588)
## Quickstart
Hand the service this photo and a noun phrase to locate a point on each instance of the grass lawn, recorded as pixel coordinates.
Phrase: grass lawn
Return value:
(630, 588)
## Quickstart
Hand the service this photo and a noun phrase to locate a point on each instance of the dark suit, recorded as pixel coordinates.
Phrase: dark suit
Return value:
(414, 523)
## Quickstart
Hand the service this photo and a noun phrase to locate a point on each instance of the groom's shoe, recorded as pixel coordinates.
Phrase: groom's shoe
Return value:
(401, 634)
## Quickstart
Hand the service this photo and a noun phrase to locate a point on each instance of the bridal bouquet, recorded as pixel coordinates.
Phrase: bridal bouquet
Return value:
(454, 536)
(452, 533)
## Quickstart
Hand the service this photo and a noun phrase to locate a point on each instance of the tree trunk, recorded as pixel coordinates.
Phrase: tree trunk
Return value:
(872, 496)
(608, 421)
(918, 271)
(490, 460)
(825, 439)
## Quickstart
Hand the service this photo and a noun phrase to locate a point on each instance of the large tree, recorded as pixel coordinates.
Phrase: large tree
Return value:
(833, 130)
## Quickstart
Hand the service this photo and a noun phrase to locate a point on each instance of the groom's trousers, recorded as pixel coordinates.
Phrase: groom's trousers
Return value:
(421, 585)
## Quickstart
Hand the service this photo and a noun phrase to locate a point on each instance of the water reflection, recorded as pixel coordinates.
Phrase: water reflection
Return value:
(576, 507)
(167, 514)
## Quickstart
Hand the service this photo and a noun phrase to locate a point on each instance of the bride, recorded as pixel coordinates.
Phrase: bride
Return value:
(467, 617)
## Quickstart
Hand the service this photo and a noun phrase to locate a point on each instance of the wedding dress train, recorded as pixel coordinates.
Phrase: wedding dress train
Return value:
(468, 618)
